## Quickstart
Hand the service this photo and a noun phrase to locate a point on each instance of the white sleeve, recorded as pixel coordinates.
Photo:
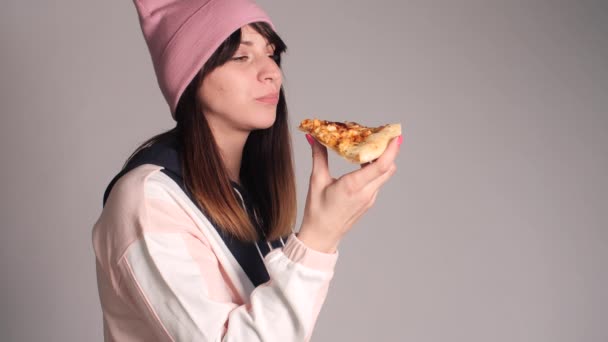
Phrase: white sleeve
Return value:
(164, 275)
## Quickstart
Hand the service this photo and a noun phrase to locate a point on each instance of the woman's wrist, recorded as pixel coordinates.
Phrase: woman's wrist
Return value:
(318, 243)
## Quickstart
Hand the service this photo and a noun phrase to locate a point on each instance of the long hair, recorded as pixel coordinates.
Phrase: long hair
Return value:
(266, 168)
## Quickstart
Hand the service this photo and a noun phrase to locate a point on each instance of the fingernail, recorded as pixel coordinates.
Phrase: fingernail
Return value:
(309, 138)
(399, 140)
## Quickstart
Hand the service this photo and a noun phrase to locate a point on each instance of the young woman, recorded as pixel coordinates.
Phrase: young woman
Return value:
(196, 239)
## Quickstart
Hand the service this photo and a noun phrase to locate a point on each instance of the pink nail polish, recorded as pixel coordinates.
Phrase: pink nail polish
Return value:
(399, 140)
(309, 138)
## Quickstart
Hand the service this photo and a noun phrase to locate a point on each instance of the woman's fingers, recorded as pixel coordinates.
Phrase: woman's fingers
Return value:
(359, 179)
(360, 213)
(375, 185)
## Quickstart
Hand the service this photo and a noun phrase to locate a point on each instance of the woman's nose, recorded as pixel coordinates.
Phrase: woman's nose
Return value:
(270, 71)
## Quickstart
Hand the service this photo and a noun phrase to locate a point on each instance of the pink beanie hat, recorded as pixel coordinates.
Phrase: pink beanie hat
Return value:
(183, 34)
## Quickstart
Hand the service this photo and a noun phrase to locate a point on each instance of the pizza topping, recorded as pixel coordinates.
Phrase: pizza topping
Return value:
(338, 135)
(334, 131)
(349, 138)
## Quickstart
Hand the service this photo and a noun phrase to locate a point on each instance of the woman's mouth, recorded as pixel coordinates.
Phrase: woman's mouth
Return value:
(270, 99)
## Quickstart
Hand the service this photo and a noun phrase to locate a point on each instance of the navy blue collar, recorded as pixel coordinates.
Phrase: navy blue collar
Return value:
(167, 153)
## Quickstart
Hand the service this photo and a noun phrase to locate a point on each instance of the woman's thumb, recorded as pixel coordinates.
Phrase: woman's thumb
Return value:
(320, 166)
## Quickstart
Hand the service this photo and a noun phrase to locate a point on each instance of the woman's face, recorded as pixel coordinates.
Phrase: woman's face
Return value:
(232, 95)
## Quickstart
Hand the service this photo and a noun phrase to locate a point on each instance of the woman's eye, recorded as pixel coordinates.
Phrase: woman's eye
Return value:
(276, 58)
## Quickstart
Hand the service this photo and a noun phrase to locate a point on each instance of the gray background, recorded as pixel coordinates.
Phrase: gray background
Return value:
(493, 229)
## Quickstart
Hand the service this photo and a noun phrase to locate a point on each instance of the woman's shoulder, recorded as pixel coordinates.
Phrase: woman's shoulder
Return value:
(144, 184)
(141, 200)
(119, 223)
(131, 188)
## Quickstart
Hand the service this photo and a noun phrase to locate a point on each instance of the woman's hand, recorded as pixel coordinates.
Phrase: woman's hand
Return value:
(334, 205)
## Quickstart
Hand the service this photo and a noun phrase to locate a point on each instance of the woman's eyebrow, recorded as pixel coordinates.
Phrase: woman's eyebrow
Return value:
(250, 43)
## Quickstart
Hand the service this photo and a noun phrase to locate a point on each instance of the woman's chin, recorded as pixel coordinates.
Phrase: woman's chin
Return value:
(264, 122)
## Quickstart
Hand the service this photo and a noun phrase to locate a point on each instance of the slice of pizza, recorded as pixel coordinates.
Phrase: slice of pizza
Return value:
(354, 142)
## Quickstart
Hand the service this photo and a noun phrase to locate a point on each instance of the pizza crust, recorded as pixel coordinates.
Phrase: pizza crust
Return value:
(373, 146)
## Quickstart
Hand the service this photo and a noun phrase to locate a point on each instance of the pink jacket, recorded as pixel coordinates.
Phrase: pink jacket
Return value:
(165, 274)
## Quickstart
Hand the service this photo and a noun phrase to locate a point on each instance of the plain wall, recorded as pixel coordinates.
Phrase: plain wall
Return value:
(494, 228)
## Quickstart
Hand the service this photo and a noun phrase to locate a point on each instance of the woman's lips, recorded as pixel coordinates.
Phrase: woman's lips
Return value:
(272, 99)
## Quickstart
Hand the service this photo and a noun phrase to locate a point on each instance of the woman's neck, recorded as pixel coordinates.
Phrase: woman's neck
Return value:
(231, 149)
(231, 142)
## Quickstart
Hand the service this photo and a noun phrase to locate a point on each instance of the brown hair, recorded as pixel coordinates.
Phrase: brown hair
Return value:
(266, 167)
